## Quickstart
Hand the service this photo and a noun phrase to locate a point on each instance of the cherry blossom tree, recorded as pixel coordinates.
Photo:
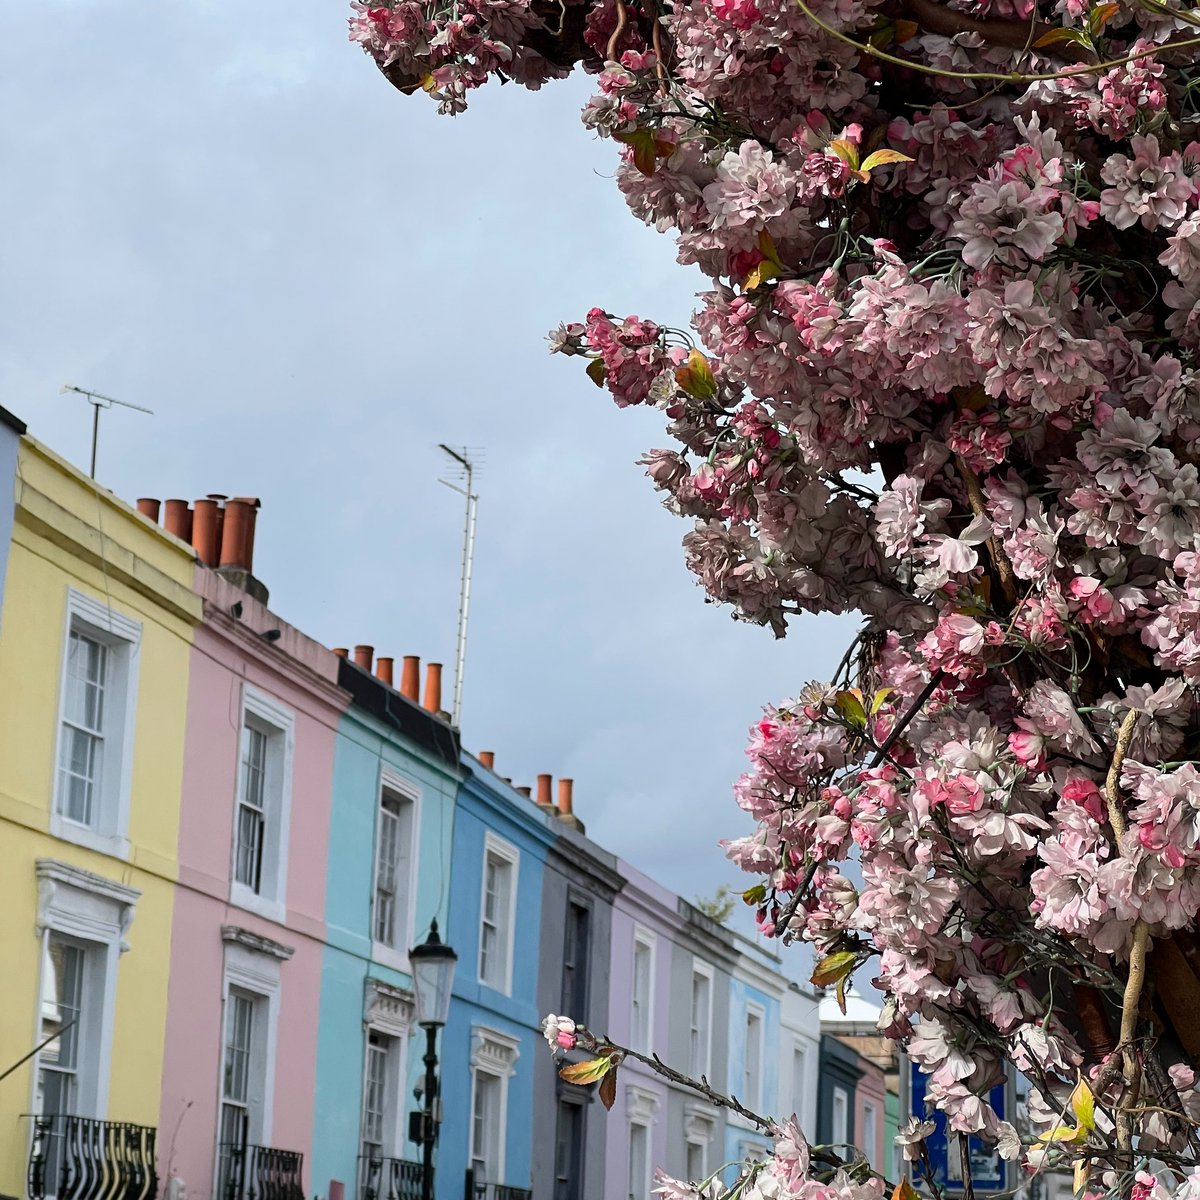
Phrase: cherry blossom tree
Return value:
(945, 377)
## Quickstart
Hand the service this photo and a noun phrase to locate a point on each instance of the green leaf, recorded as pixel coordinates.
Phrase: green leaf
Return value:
(696, 377)
(1083, 1105)
(597, 372)
(846, 151)
(881, 158)
(834, 967)
(880, 699)
(1055, 37)
(588, 1071)
(849, 704)
(756, 894)
(1100, 16)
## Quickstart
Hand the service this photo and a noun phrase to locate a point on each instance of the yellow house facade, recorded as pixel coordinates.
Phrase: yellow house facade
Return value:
(95, 640)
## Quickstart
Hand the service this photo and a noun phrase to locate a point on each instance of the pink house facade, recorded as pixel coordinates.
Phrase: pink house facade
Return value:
(246, 950)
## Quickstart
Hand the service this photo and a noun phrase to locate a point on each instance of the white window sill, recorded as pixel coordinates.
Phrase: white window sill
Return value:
(264, 906)
(66, 830)
(501, 988)
(391, 957)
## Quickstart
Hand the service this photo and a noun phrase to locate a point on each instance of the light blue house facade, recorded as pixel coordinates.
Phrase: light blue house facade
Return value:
(492, 1046)
(756, 990)
(395, 782)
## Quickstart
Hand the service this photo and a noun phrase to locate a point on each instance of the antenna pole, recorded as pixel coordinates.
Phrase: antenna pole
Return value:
(98, 401)
(95, 436)
(468, 560)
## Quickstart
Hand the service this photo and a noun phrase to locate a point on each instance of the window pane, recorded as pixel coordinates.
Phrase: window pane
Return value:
(254, 766)
(375, 1096)
(239, 1040)
(386, 872)
(78, 774)
(87, 675)
(250, 832)
(61, 1015)
(638, 1159)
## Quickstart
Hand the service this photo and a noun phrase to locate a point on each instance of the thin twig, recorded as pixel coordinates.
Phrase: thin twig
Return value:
(622, 17)
(1136, 977)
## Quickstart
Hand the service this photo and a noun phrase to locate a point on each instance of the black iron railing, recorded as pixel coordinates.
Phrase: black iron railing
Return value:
(82, 1158)
(388, 1178)
(259, 1173)
(493, 1191)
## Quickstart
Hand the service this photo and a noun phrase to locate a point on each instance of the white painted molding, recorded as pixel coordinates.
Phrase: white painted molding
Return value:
(388, 1009)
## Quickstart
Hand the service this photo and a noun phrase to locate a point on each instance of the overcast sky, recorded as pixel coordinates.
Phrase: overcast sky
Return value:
(223, 212)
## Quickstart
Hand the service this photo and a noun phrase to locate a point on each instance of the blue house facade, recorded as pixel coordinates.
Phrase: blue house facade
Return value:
(492, 1048)
(395, 782)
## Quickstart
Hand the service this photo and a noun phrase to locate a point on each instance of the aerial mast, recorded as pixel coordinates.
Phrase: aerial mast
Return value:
(98, 401)
(467, 467)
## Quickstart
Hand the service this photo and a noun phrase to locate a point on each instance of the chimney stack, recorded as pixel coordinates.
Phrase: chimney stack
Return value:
(410, 677)
(488, 758)
(149, 509)
(433, 688)
(543, 791)
(526, 791)
(363, 656)
(383, 668)
(341, 651)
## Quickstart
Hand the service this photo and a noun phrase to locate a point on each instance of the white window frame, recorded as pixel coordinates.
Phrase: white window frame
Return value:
(497, 847)
(699, 1129)
(643, 939)
(642, 1189)
(798, 1101)
(754, 1087)
(252, 965)
(705, 971)
(396, 956)
(89, 908)
(840, 1094)
(389, 1011)
(870, 1119)
(495, 1054)
(109, 832)
(271, 900)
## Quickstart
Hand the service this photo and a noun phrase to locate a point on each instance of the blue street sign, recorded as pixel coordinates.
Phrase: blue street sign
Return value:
(989, 1172)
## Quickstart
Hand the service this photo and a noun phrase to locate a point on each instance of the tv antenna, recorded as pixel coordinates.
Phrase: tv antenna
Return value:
(467, 467)
(98, 401)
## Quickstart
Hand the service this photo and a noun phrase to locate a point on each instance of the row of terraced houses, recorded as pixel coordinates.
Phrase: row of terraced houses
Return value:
(220, 839)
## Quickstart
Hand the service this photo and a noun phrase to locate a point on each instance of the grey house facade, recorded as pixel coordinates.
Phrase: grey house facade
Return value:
(569, 1123)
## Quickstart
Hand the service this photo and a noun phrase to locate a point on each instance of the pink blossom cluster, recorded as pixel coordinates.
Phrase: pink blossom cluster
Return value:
(944, 375)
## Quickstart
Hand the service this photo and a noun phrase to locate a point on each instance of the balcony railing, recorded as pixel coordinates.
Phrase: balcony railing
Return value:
(82, 1158)
(388, 1179)
(493, 1191)
(259, 1173)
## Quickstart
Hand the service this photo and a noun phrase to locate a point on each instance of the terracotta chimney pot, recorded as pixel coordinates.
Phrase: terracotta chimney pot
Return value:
(410, 677)
(253, 504)
(206, 531)
(488, 758)
(177, 519)
(566, 788)
(543, 790)
(526, 791)
(383, 668)
(148, 508)
(235, 533)
(433, 688)
(363, 656)
(341, 651)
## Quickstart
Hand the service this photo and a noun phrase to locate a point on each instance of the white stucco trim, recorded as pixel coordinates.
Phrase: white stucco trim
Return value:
(98, 911)
(271, 902)
(494, 1053)
(646, 938)
(110, 832)
(396, 957)
(495, 846)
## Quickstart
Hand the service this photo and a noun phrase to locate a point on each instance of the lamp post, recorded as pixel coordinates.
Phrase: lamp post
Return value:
(433, 976)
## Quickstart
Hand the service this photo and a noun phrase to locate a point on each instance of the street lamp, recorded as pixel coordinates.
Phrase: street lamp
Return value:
(433, 976)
